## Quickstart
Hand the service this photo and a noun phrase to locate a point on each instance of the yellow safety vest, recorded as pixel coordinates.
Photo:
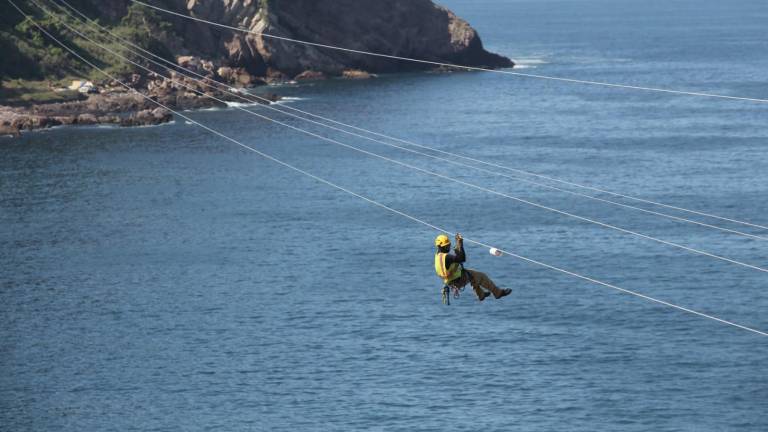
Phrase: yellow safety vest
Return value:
(446, 274)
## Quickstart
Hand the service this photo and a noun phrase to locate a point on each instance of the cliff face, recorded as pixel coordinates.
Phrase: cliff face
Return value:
(407, 28)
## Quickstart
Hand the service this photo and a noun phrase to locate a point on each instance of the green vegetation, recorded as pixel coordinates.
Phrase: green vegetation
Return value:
(36, 50)
(34, 65)
(264, 9)
(145, 28)
(21, 92)
(30, 54)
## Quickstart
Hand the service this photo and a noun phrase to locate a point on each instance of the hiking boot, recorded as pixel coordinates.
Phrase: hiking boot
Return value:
(504, 292)
(483, 295)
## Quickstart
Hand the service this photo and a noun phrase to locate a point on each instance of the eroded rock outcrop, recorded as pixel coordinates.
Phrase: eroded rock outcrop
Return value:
(310, 75)
(122, 108)
(407, 28)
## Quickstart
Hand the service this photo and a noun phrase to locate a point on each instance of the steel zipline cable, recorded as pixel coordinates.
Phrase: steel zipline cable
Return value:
(492, 164)
(168, 65)
(451, 65)
(379, 204)
(422, 170)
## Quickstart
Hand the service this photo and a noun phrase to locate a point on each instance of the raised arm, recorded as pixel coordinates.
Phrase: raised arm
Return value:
(459, 255)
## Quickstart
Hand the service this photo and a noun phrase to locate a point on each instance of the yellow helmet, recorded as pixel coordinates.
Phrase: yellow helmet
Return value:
(442, 240)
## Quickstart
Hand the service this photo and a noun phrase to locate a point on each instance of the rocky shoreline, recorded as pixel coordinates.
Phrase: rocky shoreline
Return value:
(114, 105)
(14, 120)
(226, 60)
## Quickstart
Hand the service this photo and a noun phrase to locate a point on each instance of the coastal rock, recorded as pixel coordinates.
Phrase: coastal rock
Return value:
(310, 75)
(356, 74)
(188, 61)
(109, 119)
(196, 64)
(147, 118)
(126, 109)
(155, 117)
(66, 120)
(161, 114)
(408, 28)
(87, 119)
(9, 129)
(275, 76)
(41, 122)
(225, 73)
(244, 79)
(134, 81)
(238, 76)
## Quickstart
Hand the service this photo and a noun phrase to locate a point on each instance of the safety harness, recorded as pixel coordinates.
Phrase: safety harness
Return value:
(446, 291)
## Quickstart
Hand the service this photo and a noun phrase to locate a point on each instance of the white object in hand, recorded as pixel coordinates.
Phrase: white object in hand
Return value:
(495, 252)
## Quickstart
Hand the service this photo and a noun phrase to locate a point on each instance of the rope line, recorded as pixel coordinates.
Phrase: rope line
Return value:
(451, 65)
(206, 81)
(374, 202)
(428, 172)
(700, 213)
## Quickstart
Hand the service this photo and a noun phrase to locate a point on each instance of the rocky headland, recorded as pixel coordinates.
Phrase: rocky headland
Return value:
(226, 59)
(113, 104)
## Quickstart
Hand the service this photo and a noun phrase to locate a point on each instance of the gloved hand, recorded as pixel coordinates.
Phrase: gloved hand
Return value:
(459, 237)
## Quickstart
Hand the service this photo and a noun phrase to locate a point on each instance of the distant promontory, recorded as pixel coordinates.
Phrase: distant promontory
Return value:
(36, 73)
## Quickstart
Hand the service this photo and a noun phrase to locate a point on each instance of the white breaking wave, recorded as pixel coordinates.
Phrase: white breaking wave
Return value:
(241, 104)
(528, 63)
(283, 83)
(170, 123)
(288, 99)
(213, 108)
(220, 108)
(117, 126)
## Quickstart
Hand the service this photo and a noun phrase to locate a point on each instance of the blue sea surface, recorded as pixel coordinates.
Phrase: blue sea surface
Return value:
(164, 279)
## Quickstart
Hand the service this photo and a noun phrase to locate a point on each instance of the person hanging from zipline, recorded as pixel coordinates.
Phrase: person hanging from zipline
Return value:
(449, 267)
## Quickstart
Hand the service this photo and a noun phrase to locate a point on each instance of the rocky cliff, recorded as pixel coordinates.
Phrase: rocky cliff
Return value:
(408, 28)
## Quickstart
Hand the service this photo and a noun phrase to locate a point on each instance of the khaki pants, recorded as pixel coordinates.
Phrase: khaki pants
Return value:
(479, 280)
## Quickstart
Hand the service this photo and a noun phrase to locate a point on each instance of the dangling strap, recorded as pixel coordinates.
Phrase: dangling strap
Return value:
(445, 294)
(446, 291)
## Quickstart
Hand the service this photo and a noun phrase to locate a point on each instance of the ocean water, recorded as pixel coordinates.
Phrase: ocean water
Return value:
(164, 279)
